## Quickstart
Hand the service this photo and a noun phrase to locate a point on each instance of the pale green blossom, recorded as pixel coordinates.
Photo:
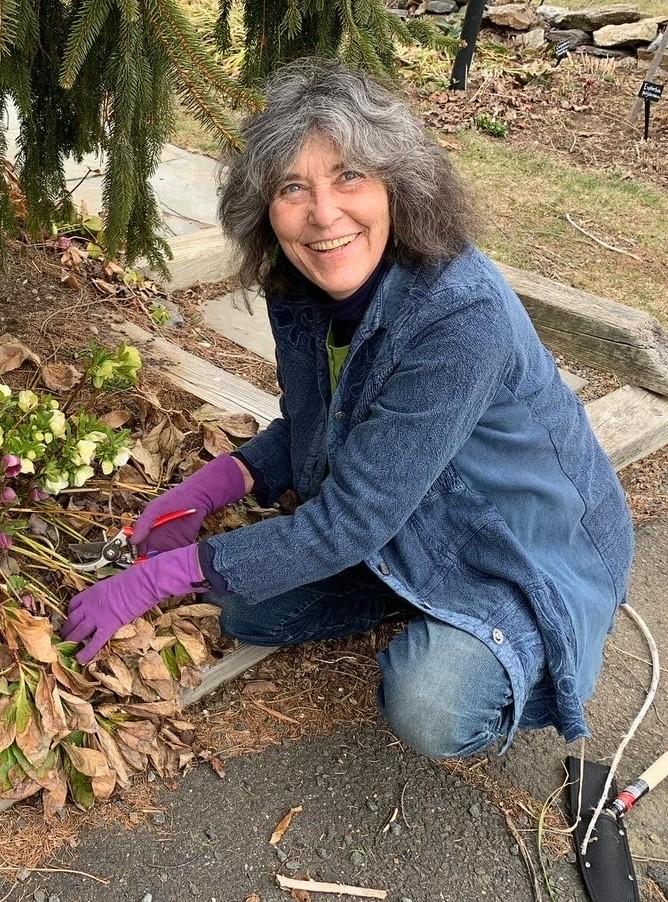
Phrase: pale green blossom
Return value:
(107, 467)
(28, 400)
(95, 436)
(57, 423)
(5, 390)
(86, 451)
(82, 475)
(56, 483)
(27, 466)
(121, 457)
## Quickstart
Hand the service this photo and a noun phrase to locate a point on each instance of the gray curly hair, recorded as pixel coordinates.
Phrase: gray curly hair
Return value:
(432, 215)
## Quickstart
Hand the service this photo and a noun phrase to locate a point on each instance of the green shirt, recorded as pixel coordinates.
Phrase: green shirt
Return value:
(336, 357)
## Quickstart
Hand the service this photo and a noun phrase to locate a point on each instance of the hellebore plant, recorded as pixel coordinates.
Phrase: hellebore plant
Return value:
(37, 439)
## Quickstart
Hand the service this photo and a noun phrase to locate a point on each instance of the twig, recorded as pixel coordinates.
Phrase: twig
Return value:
(341, 888)
(104, 880)
(610, 247)
(401, 805)
(273, 713)
(528, 861)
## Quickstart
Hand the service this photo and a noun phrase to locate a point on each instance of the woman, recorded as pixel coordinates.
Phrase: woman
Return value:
(442, 466)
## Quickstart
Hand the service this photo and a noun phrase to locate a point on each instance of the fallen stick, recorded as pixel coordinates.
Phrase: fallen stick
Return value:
(609, 247)
(340, 888)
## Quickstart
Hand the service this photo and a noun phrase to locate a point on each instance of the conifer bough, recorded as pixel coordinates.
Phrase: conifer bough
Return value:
(104, 75)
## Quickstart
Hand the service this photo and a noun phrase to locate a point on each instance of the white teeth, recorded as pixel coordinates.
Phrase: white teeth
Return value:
(331, 245)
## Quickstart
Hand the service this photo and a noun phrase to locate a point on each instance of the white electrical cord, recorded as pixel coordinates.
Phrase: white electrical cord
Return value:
(656, 672)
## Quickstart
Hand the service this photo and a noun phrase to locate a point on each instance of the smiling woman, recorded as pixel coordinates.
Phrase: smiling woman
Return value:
(444, 473)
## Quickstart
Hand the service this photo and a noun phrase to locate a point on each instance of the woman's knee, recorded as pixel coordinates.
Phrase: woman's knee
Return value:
(447, 706)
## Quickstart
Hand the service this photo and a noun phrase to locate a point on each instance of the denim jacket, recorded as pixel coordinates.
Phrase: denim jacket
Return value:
(452, 460)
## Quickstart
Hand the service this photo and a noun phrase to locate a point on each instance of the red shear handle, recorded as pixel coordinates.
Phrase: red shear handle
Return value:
(162, 521)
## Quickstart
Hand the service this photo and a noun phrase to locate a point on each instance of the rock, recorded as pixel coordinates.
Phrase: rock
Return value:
(371, 805)
(159, 818)
(194, 889)
(532, 40)
(23, 874)
(550, 14)
(451, 22)
(512, 15)
(324, 853)
(54, 898)
(39, 895)
(475, 810)
(147, 898)
(574, 36)
(590, 18)
(210, 833)
(395, 828)
(281, 855)
(292, 865)
(357, 858)
(632, 33)
(599, 51)
(440, 7)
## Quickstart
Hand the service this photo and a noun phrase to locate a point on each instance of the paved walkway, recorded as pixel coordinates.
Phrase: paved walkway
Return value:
(184, 182)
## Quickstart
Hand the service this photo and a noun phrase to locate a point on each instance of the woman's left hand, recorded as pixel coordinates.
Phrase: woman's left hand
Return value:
(95, 614)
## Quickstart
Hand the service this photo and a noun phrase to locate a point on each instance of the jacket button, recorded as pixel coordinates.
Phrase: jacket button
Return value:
(384, 569)
(340, 414)
(498, 636)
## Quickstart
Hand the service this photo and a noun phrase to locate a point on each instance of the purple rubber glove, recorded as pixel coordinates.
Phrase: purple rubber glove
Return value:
(95, 614)
(216, 484)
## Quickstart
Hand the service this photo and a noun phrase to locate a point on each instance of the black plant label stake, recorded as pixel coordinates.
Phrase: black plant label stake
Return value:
(650, 92)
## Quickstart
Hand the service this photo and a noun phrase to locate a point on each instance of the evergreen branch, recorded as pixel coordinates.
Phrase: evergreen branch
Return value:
(8, 25)
(422, 32)
(88, 23)
(129, 9)
(178, 33)
(291, 22)
(27, 34)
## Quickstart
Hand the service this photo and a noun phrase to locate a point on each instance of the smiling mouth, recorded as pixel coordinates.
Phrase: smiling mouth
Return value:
(333, 245)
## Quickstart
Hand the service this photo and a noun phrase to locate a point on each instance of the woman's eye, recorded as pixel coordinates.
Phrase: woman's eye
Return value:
(291, 189)
(351, 175)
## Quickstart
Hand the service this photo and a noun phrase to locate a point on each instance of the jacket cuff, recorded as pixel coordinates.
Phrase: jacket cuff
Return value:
(260, 488)
(216, 581)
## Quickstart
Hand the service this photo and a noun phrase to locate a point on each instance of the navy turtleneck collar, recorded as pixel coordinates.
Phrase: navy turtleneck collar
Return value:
(350, 308)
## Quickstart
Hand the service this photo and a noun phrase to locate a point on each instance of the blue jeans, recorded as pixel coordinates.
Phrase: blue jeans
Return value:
(443, 692)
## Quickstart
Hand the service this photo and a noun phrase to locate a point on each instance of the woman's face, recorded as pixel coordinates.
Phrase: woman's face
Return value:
(331, 221)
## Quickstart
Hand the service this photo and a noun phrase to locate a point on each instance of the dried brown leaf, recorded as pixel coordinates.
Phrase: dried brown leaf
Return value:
(196, 611)
(259, 687)
(191, 677)
(50, 707)
(22, 785)
(80, 714)
(90, 762)
(60, 376)
(155, 674)
(215, 440)
(104, 785)
(76, 682)
(239, 425)
(300, 895)
(35, 634)
(154, 710)
(104, 287)
(34, 742)
(133, 640)
(139, 735)
(69, 280)
(282, 826)
(115, 418)
(13, 353)
(54, 795)
(107, 745)
(217, 766)
(191, 639)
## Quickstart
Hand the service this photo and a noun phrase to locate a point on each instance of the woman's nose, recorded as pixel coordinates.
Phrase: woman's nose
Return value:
(323, 208)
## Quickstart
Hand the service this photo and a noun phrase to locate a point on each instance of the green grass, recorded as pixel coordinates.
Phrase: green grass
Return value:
(525, 197)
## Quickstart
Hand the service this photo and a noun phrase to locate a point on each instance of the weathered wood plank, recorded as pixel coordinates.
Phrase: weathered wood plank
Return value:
(202, 256)
(597, 331)
(228, 668)
(199, 377)
(630, 423)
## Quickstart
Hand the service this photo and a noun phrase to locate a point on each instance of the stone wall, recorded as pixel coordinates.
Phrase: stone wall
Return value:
(611, 31)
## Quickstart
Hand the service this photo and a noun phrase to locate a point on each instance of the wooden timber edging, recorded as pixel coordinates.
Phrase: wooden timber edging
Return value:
(596, 330)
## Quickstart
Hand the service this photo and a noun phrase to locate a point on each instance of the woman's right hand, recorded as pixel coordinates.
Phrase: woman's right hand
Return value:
(220, 482)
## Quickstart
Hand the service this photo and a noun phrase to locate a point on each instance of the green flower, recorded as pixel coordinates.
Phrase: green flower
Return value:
(28, 400)
(82, 475)
(56, 482)
(107, 467)
(121, 457)
(5, 390)
(86, 451)
(27, 466)
(57, 424)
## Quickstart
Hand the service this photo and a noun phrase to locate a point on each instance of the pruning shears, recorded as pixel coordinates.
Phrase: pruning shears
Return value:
(118, 551)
